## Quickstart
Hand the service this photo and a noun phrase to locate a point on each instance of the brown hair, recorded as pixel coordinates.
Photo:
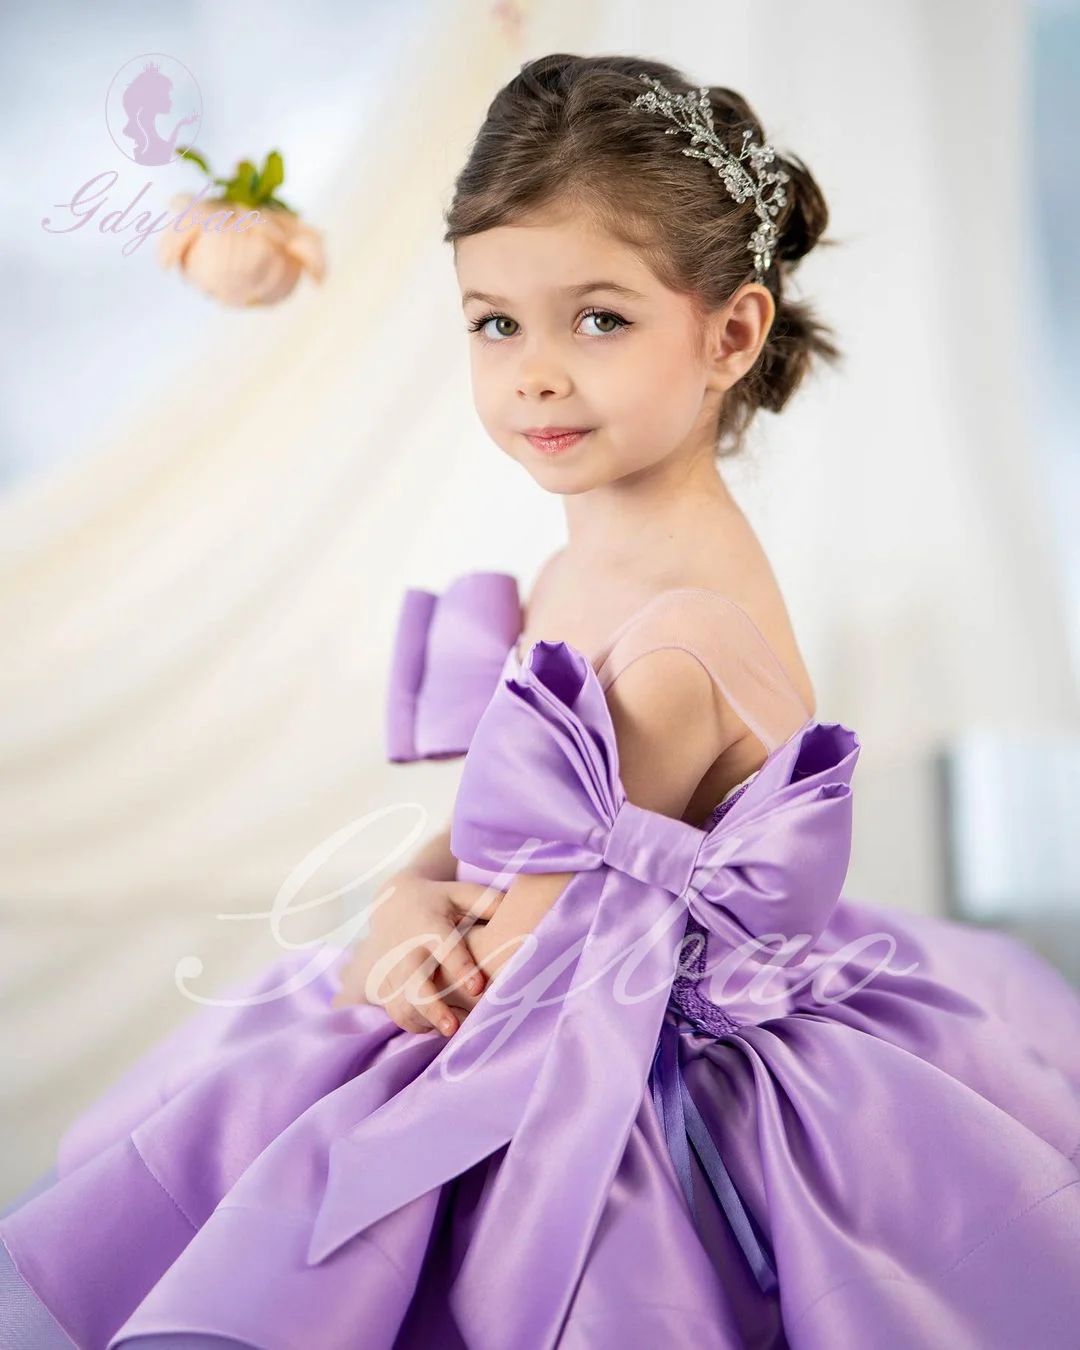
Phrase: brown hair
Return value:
(559, 133)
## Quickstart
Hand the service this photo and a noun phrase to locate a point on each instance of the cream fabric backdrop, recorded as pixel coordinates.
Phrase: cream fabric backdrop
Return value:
(196, 618)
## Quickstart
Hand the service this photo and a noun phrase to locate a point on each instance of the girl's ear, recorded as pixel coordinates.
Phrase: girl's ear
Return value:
(736, 334)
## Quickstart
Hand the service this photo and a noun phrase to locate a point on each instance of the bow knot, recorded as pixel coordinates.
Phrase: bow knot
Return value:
(653, 848)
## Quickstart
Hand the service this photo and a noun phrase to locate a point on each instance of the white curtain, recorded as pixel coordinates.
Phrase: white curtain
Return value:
(196, 617)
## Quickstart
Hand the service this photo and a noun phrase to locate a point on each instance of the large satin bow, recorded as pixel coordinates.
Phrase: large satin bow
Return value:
(560, 1074)
(449, 651)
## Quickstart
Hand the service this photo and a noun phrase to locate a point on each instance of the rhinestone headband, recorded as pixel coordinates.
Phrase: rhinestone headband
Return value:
(693, 113)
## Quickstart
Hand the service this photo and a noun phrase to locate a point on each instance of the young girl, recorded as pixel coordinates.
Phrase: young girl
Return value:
(688, 1094)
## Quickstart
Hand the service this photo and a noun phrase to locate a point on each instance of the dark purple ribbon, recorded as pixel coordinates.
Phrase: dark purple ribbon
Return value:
(682, 1121)
(684, 1126)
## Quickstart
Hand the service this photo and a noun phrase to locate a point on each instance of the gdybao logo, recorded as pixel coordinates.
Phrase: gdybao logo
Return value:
(141, 92)
(143, 118)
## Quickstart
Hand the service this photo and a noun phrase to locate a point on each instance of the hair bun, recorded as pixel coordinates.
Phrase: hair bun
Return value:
(806, 215)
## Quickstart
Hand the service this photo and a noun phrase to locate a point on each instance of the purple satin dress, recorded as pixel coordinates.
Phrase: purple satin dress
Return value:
(832, 1126)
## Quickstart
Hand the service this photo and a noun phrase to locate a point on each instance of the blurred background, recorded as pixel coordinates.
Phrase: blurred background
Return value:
(208, 515)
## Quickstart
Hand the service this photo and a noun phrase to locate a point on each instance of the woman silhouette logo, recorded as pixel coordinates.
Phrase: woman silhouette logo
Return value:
(139, 95)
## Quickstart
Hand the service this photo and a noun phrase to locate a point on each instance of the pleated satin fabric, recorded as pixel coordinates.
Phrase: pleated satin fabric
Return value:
(860, 1129)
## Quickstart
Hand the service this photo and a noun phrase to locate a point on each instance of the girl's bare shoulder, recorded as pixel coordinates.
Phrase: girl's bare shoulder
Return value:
(584, 606)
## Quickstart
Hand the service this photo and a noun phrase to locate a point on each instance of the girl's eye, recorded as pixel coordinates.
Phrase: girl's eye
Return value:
(481, 323)
(602, 317)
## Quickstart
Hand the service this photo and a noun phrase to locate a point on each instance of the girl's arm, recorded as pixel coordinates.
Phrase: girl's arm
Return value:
(524, 904)
(671, 722)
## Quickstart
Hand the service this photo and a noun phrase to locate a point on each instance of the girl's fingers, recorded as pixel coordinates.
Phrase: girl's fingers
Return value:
(406, 1017)
(458, 968)
(411, 992)
(476, 901)
(424, 997)
(415, 1003)
(392, 988)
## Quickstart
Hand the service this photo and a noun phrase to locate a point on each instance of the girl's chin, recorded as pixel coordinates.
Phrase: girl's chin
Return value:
(564, 480)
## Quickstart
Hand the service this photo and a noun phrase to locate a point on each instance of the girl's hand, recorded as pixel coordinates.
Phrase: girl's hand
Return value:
(416, 951)
(491, 947)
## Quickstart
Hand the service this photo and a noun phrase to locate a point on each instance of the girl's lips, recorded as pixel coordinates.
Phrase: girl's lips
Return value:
(553, 445)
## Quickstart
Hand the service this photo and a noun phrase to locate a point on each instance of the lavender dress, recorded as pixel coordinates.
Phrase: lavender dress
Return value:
(861, 1129)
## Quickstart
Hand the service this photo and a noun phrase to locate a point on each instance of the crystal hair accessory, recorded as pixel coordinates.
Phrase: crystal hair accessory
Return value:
(693, 112)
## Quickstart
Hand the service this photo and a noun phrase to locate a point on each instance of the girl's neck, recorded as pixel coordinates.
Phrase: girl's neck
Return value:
(624, 522)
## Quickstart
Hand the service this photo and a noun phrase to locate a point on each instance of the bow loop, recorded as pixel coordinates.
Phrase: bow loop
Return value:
(542, 771)
(449, 651)
(775, 863)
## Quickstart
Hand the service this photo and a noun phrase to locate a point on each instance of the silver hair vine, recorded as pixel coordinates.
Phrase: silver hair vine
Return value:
(693, 113)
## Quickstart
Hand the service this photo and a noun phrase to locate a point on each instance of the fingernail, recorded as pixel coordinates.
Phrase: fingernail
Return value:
(474, 983)
(447, 1025)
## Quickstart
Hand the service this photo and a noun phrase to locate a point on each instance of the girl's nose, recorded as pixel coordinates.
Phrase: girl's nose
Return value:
(537, 377)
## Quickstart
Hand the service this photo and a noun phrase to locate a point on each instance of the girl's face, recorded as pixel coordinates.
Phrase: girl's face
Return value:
(574, 331)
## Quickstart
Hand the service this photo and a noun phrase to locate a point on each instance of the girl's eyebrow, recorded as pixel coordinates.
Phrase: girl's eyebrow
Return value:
(581, 289)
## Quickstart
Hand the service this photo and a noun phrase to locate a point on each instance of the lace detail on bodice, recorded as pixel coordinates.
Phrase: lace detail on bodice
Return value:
(686, 995)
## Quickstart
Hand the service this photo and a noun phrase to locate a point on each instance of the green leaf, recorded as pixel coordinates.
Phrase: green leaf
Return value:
(243, 185)
(186, 152)
(272, 175)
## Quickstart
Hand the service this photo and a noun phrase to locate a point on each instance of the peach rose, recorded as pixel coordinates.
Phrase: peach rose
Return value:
(259, 266)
